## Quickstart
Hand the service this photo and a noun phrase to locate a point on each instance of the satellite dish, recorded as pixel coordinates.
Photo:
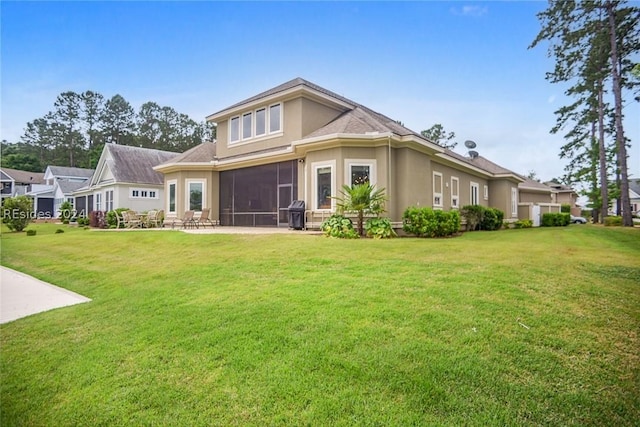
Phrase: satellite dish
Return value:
(473, 154)
(470, 144)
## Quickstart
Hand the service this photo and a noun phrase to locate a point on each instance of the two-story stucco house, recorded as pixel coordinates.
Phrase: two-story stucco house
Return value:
(299, 141)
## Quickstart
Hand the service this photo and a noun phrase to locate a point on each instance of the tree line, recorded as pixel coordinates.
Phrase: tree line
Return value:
(74, 132)
(594, 43)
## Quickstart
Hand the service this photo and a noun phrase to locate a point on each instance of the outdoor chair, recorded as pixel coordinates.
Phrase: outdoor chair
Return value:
(188, 220)
(204, 219)
(153, 219)
(131, 219)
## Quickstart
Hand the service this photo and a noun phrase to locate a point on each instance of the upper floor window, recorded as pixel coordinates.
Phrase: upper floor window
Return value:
(137, 193)
(274, 118)
(257, 123)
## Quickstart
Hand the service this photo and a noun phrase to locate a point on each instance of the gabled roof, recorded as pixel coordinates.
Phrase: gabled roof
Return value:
(135, 164)
(530, 184)
(24, 177)
(67, 172)
(68, 187)
(561, 188)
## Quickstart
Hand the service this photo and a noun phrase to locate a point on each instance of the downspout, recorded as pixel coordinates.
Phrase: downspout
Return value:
(389, 164)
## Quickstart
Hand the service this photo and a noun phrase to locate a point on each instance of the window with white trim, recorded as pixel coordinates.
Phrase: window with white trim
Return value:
(141, 193)
(257, 123)
(514, 201)
(261, 121)
(234, 129)
(323, 186)
(437, 190)
(247, 128)
(360, 171)
(455, 192)
(97, 201)
(108, 203)
(275, 118)
(474, 192)
(486, 192)
(171, 200)
(195, 195)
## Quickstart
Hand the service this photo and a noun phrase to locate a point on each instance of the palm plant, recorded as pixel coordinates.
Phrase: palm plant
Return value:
(361, 199)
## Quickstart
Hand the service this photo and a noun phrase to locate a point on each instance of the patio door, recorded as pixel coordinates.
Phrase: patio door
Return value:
(285, 197)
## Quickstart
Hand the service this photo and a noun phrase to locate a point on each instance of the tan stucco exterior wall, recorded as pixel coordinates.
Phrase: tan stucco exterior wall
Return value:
(500, 191)
(212, 191)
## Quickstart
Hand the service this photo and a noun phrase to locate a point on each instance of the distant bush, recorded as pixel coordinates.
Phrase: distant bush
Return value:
(17, 212)
(59, 231)
(83, 221)
(31, 232)
(339, 226)
(555, 219)
(565, 208)
(613, 221)
(523, 223)
(427, 222)
(379, 228)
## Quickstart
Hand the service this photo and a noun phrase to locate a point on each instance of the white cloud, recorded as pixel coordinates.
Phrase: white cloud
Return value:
(475, 11)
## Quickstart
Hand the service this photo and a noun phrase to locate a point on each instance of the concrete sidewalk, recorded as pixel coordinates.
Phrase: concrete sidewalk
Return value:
(22, 295)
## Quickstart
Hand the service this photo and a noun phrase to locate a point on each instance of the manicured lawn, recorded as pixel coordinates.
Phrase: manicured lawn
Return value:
(515, 327)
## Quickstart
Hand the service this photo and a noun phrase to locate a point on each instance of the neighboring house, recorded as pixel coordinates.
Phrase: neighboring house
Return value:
(536, 199)
(566, 195)
(634, 196)
(48, 190)
(18, 183)
(299, 141)
(63, 181)
(124, 178)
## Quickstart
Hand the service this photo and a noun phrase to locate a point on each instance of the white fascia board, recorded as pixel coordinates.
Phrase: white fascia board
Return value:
(288, 150)
(334, 136)
(464, 165)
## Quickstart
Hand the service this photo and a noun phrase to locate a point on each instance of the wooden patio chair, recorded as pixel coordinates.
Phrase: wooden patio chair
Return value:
(204, 219)
(152, 219)
(131, 219)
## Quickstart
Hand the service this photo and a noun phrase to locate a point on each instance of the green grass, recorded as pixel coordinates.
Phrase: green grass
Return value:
(515, 327)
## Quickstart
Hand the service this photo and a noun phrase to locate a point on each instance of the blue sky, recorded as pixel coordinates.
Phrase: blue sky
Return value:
(462, 64)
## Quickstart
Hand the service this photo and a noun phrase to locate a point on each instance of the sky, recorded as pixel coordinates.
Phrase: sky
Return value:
(463, 64)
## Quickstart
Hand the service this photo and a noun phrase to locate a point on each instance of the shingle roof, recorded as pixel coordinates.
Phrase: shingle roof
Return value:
(65, 171)
(530, 183)
(135, 165)
(634, 185)
(69, 187)
(482, 163)
(385, 123)
(24, 177)
(205, 152)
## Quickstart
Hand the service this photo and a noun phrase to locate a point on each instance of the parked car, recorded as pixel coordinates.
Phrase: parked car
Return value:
(578, 220)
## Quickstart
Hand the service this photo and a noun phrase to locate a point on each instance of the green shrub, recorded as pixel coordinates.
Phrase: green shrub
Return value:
(473, 215)
(66, 212)
(491, 219)
(17, 212)
(565, 208)
(59, 231)
(379, 228)
(112, 221)
(523, 223)
(426, 222)
(83, 221)
(613, 221)
(339, 226)
(31, 232)
(555, 219)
